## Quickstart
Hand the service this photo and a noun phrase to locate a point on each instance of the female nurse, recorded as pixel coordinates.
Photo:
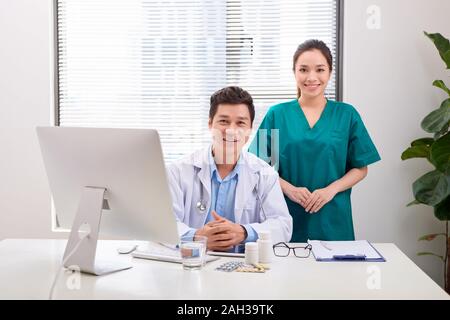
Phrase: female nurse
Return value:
(320, 147)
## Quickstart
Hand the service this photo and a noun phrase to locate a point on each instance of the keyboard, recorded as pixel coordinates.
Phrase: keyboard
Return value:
(155, 251)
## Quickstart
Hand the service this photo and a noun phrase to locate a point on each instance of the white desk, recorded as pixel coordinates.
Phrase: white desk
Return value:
(27, 269)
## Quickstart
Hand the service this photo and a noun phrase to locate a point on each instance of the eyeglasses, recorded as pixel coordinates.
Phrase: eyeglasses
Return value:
(281, 249)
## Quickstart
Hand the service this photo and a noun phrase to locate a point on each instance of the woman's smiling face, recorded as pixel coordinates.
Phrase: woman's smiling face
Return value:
(312, 73)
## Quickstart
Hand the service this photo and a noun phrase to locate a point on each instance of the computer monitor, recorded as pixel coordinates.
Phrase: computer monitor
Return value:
(91, 169)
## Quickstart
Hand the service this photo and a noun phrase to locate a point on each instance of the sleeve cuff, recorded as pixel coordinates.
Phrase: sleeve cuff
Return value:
(190, 234)
(252, 236)
(365, 161)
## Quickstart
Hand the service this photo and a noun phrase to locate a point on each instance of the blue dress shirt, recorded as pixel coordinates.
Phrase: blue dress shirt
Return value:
(223, 193)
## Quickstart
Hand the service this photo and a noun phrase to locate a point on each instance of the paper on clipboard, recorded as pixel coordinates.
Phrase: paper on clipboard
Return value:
(329, 250)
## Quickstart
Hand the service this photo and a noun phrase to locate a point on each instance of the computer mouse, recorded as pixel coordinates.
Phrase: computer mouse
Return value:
(127, 249)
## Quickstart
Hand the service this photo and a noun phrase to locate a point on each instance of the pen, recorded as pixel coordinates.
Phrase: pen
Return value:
(349, 257)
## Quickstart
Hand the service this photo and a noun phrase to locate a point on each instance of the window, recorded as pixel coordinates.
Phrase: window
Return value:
(154, 64)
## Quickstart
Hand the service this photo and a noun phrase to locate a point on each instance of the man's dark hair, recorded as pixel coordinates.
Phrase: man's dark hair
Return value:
(231, 95)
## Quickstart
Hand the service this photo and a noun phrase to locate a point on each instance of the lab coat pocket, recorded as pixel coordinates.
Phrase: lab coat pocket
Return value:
(249, 211)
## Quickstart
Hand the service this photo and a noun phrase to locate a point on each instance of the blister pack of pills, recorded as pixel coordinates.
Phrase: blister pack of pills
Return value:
(251, 268)
(230, 266)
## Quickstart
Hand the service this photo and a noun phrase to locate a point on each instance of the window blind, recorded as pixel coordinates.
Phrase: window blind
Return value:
(154, 64)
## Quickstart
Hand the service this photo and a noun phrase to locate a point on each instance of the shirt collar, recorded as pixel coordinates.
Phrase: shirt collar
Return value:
(215, 173)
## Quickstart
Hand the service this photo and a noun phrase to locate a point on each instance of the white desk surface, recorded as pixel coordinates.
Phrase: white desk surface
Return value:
(27, 269)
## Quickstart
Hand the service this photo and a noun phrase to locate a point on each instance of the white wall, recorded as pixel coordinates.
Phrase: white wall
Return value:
(25, 98)
(387, 76)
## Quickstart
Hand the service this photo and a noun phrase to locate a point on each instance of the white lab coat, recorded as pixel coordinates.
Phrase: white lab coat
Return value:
(191, 174)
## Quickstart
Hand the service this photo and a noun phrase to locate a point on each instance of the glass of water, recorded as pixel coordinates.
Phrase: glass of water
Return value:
(193, 252)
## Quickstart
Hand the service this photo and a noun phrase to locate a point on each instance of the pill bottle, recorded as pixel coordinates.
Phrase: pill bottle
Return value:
(251, 253)
(265, 249)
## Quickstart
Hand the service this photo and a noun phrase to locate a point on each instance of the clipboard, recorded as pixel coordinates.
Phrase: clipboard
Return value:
(359, 250)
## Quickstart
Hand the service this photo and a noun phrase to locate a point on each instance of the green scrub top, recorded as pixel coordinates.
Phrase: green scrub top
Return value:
(314, 158)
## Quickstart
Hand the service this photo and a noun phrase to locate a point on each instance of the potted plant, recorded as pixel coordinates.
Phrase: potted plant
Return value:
(433, 188)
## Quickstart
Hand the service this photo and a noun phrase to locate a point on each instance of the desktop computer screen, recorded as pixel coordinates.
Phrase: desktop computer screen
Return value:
(90, 169)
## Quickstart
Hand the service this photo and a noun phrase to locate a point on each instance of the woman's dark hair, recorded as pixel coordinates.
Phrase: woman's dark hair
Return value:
(231, 95)
(309, 45)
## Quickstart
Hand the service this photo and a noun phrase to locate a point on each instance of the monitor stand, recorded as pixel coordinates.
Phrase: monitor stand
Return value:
(88, 219)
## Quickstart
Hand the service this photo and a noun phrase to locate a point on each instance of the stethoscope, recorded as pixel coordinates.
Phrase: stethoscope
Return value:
(201, 206)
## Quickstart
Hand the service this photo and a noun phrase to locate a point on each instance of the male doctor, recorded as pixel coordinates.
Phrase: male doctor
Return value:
(223, 192)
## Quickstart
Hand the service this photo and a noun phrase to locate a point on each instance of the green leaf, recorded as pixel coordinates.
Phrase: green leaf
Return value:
(413, 203)
(430, 237)
(443, 46)
(440, 153)
(442, 210)
(430, 254)
(445, 104)
(422, 141)
(420, 151)
(432, 188)
(437, 119)
(447, 58)
(442, 132)
(441, 85)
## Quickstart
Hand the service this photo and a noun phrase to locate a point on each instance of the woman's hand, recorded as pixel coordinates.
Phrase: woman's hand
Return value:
(296, 194)
(319, 198)
(299, 195)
